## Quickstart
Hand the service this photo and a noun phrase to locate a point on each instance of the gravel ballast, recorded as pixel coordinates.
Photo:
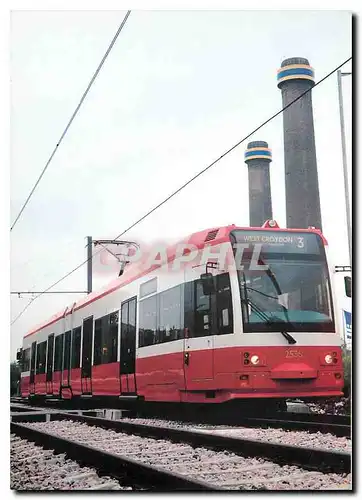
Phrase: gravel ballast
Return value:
(271, 435)
(34, 468)
(223, 469)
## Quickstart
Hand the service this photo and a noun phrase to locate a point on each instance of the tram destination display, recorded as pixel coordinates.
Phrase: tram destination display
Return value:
(280, 241)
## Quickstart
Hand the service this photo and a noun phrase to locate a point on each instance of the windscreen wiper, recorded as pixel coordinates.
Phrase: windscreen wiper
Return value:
(270, 320)
(258, 310)
(290, 339)
(287, 335)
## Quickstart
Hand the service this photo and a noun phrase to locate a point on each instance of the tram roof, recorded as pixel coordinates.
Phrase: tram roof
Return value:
(138, 269)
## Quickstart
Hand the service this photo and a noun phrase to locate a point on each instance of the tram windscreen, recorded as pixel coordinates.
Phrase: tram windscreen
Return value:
(284, 281)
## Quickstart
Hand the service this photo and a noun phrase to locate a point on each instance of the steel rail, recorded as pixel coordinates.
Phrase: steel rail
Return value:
(339, 425)
(339, 430)
(285, 415)
(23, 408)
(325, 418)
(120, 467)
(308, 458)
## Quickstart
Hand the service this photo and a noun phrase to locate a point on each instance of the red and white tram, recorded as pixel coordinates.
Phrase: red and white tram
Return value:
(258, 323)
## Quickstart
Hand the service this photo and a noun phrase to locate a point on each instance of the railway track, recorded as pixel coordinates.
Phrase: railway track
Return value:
(87, 462)
(35, 468)
(313, 458)
(110, 419)
(334, 424)
(338, 425)
(189, 460)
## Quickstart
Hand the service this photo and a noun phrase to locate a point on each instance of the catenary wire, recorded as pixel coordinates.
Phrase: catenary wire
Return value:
(72, 117)
(187, 183)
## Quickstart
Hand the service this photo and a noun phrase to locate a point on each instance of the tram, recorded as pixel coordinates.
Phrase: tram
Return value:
(229, 314)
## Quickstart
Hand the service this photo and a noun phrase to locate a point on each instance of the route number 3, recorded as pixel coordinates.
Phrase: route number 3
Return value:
(300, 242)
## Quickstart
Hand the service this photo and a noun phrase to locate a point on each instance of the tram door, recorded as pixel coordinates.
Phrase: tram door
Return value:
(128, 347)
(66, 359)
(32, 369)
(49, 372)
(198, 342)
(86, 372)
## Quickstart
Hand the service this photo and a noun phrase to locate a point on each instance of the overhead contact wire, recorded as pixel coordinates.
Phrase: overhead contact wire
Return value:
(190, 181)
(72, 118)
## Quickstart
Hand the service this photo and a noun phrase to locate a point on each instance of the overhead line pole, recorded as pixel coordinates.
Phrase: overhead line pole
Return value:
(89, 264)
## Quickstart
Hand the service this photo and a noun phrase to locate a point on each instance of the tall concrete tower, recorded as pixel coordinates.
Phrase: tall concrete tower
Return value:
(257, 157)
(301, 177)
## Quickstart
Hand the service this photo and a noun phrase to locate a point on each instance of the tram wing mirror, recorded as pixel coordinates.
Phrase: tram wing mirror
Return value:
(208, 285)
(19, 355)
(348, 285)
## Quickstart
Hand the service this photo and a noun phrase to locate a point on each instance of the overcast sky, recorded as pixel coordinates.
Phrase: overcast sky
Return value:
(178, 89)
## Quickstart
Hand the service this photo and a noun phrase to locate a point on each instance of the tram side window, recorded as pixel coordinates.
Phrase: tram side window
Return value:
(197, 310)
(170, 319)
(105, 339)
(208, 314)
(189, 308)
(40, 357)
(58, 355)
(132, 318)
(113, 337)
(76, 347)
(224, 304)
(162, 317)
(97, 358)
(50, 353)
(26, 360)
(67, 338)
(147, 321)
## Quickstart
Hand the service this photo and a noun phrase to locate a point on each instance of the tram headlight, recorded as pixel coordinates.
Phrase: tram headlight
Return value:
(254, 360)
(328, 359)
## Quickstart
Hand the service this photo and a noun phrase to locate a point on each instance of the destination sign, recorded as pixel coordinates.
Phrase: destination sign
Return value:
(280, 241)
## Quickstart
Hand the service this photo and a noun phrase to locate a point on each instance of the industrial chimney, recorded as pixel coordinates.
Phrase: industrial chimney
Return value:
(257, 157)
(301, 177)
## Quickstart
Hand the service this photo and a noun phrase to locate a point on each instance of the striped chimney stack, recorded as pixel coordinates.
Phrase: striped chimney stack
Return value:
(258, 157)
(301, 177)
